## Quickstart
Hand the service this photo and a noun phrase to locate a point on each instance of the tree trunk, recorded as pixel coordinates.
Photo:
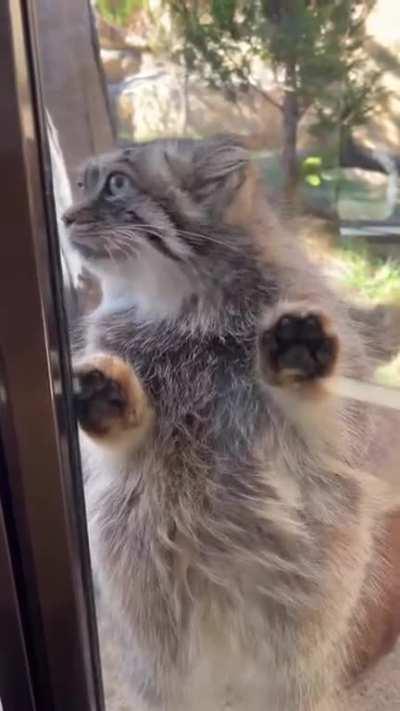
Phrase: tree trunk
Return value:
(290, 166)
(185, 103)
(73, 81)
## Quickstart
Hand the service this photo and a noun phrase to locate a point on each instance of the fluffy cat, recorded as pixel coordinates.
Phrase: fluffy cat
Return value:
(237, 538)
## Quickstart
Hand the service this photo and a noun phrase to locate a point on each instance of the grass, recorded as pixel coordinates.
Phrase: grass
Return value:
(119, 11)
(366, 275)
(353, 196)
(389, 373)
(377, 280)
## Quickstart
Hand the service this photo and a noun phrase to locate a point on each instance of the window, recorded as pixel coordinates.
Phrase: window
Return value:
(319, 109)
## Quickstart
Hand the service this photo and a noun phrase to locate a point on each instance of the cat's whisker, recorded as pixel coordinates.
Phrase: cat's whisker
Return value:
(190, 233)
(126, 244)
(112, 243)
(116, 248)
(110, 254)
(125, 247)
(209, 238)
(128, 231)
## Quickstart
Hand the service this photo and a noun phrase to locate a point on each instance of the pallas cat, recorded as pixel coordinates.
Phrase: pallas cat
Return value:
(239, 536)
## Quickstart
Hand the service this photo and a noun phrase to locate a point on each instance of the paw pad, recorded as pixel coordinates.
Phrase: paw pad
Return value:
(298, 347)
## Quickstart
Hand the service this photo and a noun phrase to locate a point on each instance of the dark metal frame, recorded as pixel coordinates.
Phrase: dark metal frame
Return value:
(44, 556)
(15, 681)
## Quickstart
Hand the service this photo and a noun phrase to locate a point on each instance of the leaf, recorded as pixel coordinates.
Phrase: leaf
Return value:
(312, 162)
(313, 180)
(223, 12)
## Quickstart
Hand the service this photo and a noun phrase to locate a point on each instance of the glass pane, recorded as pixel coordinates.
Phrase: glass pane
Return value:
(238, 401)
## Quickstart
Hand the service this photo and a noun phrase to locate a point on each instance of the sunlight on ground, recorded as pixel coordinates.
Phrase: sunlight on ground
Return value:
(384, 21)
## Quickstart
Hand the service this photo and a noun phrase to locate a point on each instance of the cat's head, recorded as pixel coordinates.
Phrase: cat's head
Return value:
(151, 213)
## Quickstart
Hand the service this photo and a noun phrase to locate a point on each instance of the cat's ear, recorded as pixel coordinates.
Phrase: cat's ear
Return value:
(220, 169)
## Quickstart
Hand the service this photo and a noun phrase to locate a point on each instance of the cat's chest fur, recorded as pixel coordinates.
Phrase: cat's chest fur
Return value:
(170, 528)
(201, 384)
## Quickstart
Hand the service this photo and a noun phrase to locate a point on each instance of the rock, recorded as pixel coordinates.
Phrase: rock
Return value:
(131, 62)
(119, 64)
(110, 36)
(162, 104)
(120, 38)
(125, 111)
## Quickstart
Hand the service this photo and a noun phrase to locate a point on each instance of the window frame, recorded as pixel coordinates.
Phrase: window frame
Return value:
(44, 541)
(15, 679)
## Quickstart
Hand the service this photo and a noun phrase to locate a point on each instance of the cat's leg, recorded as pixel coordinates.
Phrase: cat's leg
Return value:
(298, 346)
(110, 402)
(299, 356)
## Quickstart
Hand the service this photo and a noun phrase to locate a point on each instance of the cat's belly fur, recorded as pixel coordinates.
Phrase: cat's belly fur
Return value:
(226, 682)
(202, 692)
(220, 674)
(222, 679)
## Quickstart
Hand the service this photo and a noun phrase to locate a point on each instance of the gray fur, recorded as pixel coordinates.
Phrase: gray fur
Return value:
(215, 542)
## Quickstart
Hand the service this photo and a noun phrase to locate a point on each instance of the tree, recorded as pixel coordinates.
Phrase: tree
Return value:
(315, 48)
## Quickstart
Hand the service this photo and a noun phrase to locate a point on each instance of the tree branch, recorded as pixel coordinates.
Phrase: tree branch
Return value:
(266, 96)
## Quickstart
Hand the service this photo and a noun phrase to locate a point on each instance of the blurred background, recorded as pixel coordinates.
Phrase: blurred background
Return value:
(314, 85)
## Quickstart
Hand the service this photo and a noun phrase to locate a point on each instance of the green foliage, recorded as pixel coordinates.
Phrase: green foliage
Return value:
(311, 170)
(223, 12)
(316, 48)
(119, 11)
(378, 280)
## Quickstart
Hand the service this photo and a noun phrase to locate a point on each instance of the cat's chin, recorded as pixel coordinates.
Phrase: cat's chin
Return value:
(155, 286)
(89, 254)
(104, 267)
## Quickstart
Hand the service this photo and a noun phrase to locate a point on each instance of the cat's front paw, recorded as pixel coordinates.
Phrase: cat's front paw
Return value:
(298, 346)
(109, 399)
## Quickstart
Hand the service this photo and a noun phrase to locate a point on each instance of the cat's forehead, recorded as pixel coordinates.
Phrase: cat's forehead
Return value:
(163, 160)
(94, 169)
(160, 150)
(154, 158)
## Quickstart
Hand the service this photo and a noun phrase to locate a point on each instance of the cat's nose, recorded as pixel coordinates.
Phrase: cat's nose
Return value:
(69, 217)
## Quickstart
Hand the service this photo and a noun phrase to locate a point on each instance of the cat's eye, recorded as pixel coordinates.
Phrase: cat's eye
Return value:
(118, 185)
